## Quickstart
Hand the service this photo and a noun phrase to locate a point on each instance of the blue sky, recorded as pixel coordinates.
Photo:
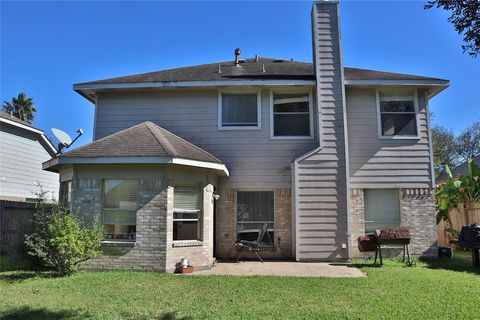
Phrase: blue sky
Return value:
(46, 47)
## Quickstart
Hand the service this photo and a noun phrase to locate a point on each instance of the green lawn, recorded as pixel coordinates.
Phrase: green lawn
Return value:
(444, 290)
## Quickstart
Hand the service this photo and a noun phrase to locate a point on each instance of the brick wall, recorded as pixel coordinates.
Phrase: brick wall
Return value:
(226, 221)
(417, 213)
(198, 253)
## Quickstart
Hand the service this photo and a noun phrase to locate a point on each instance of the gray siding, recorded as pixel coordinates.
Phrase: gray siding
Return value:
(21, 157)
(385, 163)
(321, 197)
(254, 160)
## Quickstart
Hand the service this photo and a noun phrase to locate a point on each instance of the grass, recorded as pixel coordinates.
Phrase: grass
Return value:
(446, 289)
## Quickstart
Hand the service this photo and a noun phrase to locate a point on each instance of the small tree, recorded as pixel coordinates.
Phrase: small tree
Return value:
(467, 143)
(60, 238)
(465, 190)
(444, 148)
(21, 107)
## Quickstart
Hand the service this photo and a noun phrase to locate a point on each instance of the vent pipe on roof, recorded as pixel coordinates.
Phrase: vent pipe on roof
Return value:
(237, 56)
(219, 69)
(257, 58)
(263, 67)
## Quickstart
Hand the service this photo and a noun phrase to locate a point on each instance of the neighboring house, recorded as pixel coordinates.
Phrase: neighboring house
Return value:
(321, 152)
(23, 149)
(458, 170)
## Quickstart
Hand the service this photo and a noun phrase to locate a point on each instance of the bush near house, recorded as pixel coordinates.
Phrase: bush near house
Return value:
(61, 239)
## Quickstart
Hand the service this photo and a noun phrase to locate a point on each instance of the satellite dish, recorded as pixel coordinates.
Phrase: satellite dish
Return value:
(65, 140)
(62, 136)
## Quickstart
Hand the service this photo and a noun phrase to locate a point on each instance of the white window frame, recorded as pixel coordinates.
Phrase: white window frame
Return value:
(198, 220)
(259, 110)
(272, 117)
(379, 115)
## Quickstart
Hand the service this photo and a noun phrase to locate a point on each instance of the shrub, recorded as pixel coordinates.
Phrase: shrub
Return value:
(61, 239)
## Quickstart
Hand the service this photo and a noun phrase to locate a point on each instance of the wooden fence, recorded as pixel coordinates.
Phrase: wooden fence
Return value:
(459, 216)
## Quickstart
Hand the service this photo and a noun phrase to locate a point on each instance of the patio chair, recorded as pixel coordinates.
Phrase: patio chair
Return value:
(251, 246)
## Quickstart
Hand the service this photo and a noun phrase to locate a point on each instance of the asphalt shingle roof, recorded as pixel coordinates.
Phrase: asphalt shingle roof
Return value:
(143, 140)
(458, 170)
(8, 116)
(249, 70)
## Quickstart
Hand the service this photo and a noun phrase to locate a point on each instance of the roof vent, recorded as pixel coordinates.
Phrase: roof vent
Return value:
(257, 59)
(278, 60)
(237, 56)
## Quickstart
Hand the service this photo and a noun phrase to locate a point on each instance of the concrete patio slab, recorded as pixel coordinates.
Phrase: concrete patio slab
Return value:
(287, 269)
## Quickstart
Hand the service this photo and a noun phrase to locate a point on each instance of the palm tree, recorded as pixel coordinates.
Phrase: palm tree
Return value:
(21, 107)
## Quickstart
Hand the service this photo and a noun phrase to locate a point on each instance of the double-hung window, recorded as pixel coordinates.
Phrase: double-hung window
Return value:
(239, 110)
(186, 212)
(397, 113)
(254, 208)
(382, 209)
(120, 209)
(291, 115)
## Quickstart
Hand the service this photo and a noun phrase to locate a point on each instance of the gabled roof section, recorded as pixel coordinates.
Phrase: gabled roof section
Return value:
(143, 143)
(7, 118)
(143, 140)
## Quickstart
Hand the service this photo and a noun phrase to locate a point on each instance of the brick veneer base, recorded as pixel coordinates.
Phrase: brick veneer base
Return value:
(417, 213)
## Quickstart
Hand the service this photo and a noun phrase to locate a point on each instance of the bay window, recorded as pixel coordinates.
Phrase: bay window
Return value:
(120, 209)
(397, 113)
(254, 208)
(186, 212)
(382, 209)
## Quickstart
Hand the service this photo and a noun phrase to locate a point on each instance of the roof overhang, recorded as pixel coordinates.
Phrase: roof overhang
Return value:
(89, 90)
(54, 164)
(433, 86)
(50, 147)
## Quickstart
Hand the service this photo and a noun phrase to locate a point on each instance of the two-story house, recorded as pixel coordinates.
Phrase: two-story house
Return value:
(186, 161)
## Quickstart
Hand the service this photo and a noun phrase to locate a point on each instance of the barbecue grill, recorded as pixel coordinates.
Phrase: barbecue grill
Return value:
(469, 238)
(373, 242)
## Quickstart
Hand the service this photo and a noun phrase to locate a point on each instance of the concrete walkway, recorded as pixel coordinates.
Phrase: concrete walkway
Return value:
(287, 269)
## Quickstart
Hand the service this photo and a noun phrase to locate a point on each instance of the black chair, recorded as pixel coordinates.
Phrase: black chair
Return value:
(251, 246)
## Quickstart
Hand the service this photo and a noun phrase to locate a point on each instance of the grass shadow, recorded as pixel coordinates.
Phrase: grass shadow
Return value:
(18, 276)
(40, 314)
(461, 262)
(162, 316)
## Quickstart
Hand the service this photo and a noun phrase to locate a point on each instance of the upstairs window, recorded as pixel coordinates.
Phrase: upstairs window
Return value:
(291, 115)
(186, 212)
(239, 110)
(120, 209)
(398, 115)
(382, 209)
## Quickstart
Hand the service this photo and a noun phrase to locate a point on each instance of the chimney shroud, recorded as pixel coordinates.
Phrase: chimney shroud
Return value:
(329, 160)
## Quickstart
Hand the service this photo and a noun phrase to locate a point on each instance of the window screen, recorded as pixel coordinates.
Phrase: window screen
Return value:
(382, 209)
(66, 194)
(254, 208)
(120, 209)
(239, 110)
(291, 115)
(397, 113)
(186, 212)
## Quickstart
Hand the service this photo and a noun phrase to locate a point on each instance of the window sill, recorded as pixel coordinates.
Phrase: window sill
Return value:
(291, 137)
(119, 243)
(399, 137)
(240, 128)
(187, 243)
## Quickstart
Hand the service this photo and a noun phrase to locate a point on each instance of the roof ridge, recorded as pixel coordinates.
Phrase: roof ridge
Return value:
(109, 136)
(189, 143)
(164, 143)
